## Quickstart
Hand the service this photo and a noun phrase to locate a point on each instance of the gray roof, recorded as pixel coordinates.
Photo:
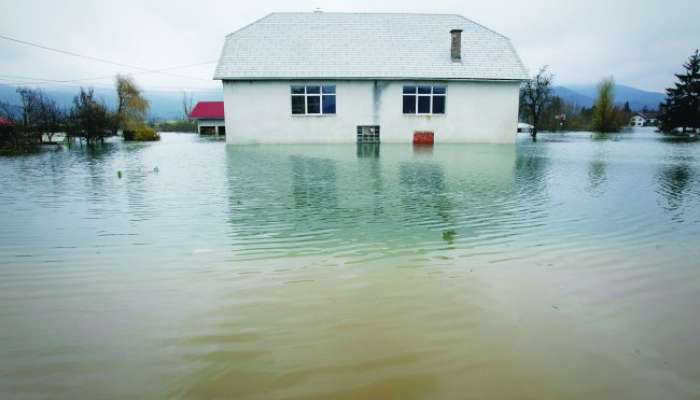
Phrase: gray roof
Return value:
(324, 45)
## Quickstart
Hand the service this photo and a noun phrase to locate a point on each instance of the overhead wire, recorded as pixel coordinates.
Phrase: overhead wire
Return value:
(142, 70)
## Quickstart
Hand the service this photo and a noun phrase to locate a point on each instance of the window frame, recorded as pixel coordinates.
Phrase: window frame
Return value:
(324, 91)
(417, 95)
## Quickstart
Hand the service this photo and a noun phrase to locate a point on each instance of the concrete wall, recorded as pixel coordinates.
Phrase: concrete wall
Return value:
(260, 112)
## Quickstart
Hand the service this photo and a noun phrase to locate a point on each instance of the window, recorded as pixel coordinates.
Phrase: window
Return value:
(424, 99)
(313, 99)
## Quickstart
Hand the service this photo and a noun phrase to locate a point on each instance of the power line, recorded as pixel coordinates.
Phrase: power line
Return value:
(102, 60)
(19, 80)
(39, 83)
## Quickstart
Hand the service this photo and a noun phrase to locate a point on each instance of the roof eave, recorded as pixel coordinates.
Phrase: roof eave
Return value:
(379, 78)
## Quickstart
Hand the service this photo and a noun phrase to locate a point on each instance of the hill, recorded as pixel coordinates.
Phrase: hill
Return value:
(584, 95)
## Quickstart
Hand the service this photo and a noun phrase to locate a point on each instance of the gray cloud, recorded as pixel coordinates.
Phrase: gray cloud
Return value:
(639, 44)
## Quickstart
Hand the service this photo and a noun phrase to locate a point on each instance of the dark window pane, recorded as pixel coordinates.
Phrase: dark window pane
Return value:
(423, 104)
(329, 89)
(439, 89)
(313, 104)
(297, 89)
(313, 89)
(298, 105)
(409, 89)
(424, 89)
(438, 104)
(409, 104)
(329, 104)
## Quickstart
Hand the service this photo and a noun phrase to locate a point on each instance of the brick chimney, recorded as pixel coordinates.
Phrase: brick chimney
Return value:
(456, 48)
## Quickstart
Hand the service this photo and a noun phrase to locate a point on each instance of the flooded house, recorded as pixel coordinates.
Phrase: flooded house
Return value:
(209, 116)
(646, 118)
(369, 77)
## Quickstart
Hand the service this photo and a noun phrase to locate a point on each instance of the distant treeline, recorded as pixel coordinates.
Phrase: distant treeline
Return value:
(24, 127)
(547, 112)
(560, 115)
(680, 112)
(176, 126)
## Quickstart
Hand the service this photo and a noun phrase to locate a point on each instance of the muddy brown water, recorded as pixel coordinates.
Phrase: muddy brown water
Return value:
(567, 268)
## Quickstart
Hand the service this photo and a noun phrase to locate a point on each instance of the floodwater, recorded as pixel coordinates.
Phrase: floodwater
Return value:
(567, 268)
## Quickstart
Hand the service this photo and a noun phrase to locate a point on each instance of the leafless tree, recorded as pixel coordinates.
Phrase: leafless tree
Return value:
(535, 95)
(90, 118)
(187, 104)
(50, 117)
(30, 108)
(9, 111)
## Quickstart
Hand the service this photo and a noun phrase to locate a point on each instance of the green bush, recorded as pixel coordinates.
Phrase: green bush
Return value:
(142, 133)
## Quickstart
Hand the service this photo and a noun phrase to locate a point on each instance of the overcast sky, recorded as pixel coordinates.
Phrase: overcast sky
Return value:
(640, 43)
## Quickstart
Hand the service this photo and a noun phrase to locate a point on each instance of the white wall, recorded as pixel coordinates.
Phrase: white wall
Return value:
(482, 112)
(260, 112)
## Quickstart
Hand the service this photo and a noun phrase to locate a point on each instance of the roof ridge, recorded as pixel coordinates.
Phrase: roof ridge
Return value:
(364, 12)
(471, 21)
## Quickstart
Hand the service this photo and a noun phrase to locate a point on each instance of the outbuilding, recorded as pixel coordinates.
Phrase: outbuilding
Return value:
(209, 116)
(378, 77)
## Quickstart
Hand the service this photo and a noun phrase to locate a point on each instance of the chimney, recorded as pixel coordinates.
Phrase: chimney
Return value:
(456, 48)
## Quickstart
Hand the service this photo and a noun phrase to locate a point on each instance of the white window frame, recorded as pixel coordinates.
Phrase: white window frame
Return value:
(305, 95)
(429, 95)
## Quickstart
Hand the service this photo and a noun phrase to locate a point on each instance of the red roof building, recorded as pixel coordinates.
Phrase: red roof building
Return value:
(5, 122)
(210, 117)
(208, 110)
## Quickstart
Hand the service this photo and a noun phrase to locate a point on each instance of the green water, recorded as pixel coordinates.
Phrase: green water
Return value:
(566, 268)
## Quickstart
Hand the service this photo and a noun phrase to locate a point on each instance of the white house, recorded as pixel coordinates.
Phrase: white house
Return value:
(345, 77)
(638, 120)
(524, 128)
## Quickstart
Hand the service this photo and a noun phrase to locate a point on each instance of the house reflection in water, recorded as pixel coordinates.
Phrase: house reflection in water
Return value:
(343, 196)
(313, 183)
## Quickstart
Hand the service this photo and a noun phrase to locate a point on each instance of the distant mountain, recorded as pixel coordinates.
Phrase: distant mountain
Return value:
(573, 97)
(584, 95)
(165, 105)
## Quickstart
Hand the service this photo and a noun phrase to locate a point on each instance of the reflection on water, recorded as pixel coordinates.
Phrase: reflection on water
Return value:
(597, 173)
(313, 183)
(564, 268)
(676, 180)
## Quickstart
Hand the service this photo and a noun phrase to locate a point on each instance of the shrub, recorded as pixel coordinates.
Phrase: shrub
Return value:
(142, 133)
(606, 116)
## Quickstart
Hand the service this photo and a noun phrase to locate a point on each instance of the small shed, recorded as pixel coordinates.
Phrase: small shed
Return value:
(209, 116)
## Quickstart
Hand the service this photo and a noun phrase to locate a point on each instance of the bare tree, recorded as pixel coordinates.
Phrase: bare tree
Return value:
(90, 118)
(535, 96)
(9, 111)
(187, 104)
(51, 117)
(30, 107)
